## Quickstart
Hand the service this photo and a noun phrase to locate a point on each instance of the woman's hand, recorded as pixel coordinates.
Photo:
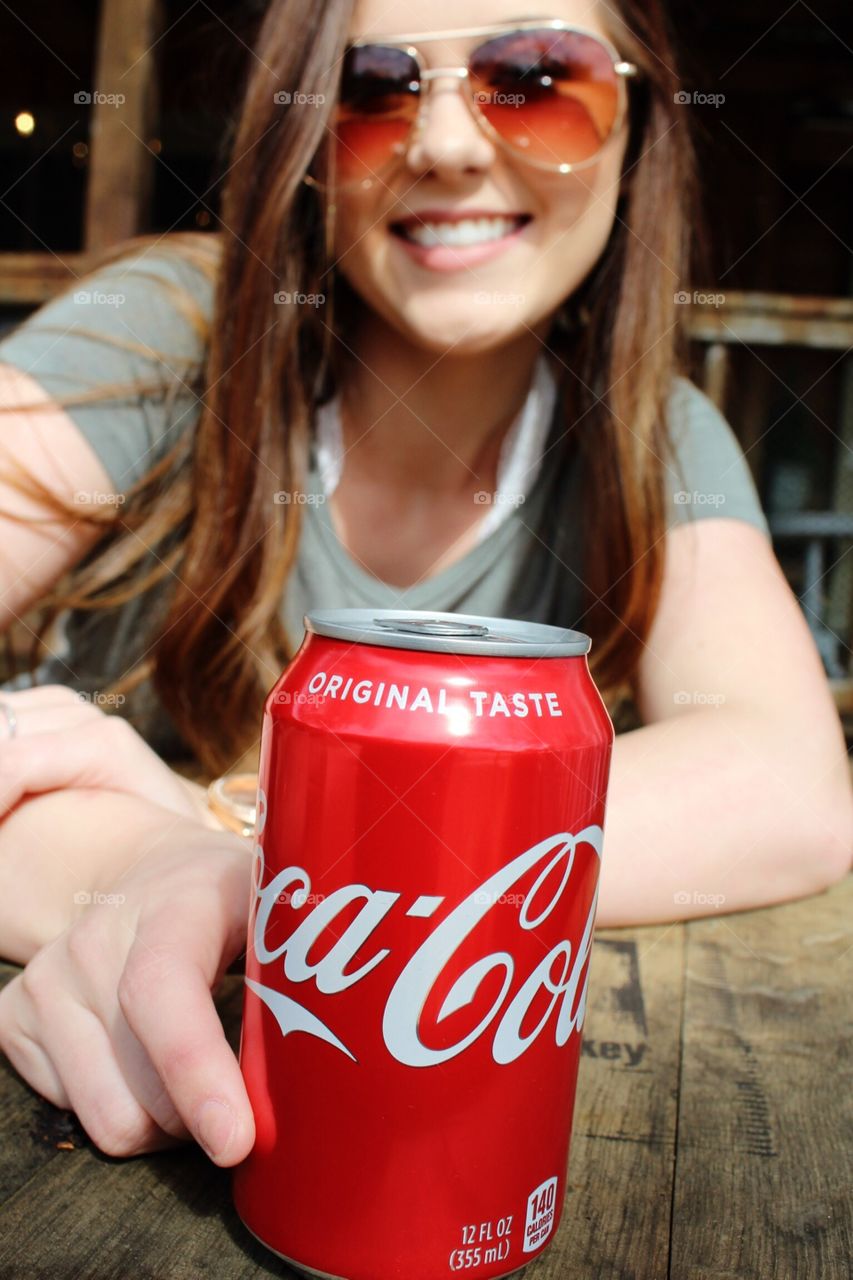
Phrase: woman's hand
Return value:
(115, 1020)
(62, 740)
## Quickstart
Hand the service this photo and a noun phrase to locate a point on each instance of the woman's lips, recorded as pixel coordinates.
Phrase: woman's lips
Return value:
(451, 242)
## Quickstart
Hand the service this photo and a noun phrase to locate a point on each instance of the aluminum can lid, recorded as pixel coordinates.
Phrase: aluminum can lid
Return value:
(447, 632)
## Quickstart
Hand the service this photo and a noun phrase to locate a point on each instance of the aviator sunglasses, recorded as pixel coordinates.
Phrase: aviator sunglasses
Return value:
(549, 93)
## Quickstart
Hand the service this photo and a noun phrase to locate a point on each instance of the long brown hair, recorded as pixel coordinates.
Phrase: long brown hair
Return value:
(207, 507)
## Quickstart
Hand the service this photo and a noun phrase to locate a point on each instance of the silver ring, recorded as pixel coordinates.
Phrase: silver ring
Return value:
(11, 718)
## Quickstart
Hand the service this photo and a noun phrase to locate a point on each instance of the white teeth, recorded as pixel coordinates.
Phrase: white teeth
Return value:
(455, 235)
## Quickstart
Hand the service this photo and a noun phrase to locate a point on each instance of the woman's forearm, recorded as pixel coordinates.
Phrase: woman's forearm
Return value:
(59, 849)
(719, 810)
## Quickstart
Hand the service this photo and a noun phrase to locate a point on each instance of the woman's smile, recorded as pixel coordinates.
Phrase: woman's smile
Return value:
(450, 240)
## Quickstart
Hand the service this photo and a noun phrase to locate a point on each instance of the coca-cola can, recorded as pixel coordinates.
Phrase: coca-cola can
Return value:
(429, 830)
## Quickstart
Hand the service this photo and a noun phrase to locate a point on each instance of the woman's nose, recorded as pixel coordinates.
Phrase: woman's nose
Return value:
(447, 138)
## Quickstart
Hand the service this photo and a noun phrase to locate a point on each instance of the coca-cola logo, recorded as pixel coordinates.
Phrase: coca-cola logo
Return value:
(565, 1007)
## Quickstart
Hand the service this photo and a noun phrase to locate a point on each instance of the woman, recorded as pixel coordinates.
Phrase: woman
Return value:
(443, 276)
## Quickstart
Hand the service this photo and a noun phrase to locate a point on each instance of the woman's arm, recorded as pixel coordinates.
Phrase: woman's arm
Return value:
(736, 792)
(37, 547)
(59, 849)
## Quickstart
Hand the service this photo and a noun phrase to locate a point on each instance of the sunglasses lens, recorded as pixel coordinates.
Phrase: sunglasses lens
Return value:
(380, 90)
(551, 95)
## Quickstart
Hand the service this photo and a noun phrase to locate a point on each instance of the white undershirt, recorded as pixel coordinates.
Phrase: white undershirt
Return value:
(519, 460)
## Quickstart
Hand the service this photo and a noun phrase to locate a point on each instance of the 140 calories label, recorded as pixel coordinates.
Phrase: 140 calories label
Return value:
(539, 1222)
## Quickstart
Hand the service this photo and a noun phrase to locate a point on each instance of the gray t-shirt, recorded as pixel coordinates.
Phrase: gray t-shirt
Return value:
(521, 570)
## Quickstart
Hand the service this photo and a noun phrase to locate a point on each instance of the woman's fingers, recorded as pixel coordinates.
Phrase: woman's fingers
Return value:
(144, 1082)
(67, 1057)
(34, 763)
(47, 709)
(97, 751)
(164, 994)
(20, 1042)
(98, 1092)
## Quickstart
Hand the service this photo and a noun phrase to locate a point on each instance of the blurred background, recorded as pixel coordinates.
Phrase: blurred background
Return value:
(770, 92)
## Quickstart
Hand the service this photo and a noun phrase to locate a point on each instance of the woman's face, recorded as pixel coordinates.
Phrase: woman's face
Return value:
(474, 297)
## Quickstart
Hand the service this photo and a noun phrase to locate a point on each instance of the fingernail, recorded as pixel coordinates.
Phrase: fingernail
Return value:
(215, 1124)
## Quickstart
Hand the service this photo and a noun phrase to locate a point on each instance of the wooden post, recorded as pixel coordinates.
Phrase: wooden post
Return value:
(124, 109)
(715, 374)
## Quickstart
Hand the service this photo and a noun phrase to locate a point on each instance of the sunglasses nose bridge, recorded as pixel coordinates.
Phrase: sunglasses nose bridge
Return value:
(429, 74)
(461, 78)
(428, 77)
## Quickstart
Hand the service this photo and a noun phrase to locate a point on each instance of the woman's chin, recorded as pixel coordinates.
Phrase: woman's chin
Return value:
(465, 329)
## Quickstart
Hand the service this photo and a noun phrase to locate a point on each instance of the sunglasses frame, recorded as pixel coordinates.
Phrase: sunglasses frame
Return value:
(623, 70)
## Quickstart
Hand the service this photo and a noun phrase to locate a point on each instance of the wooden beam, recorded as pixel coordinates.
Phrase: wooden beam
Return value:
(123, 115)
(773, 319)
(29, 279)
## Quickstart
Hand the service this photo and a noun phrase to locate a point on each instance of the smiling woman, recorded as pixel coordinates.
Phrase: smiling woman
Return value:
(443, 192)
(432, 360)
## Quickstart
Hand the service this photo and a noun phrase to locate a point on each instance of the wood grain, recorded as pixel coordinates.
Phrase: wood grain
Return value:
(616, 1213)
(765, 1126)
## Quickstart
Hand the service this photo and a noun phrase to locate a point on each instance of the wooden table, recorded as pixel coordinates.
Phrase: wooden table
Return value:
(712, 1132)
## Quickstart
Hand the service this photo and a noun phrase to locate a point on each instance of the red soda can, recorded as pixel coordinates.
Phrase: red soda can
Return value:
(429, 828)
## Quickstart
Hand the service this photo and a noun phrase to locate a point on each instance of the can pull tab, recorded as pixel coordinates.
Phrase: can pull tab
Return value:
(433, 626)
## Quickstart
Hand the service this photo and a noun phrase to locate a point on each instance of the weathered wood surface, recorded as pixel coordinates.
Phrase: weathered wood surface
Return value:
(764, 1176)
(712, 1130)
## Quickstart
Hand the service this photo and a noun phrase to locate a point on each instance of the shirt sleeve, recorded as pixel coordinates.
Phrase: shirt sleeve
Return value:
(140, 319)
(708, 476)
